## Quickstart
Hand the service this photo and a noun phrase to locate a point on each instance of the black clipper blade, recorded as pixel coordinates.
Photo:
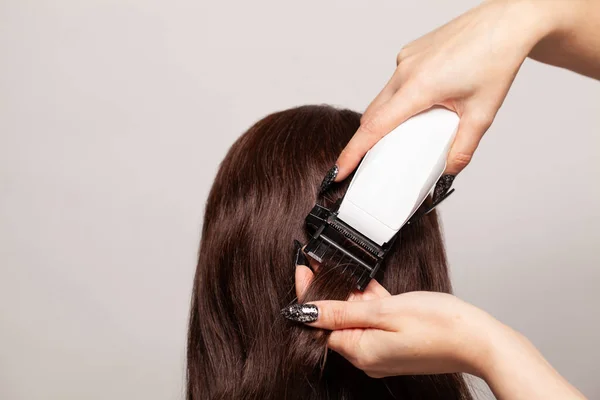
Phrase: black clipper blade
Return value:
(334, 240)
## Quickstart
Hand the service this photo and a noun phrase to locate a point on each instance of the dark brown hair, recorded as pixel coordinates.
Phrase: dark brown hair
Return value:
(239, 346)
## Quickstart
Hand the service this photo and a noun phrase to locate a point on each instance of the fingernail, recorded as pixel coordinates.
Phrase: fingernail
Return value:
(305, 313)
(329, 178)
(299, 257)
(442, 186)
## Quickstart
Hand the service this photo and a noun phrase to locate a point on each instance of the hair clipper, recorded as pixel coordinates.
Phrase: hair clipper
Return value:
(386, 193)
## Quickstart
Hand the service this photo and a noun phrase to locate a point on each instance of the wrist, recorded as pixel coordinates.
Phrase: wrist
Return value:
(503, 342)
(532, 20)
(486, 336)
(513, 368)
(549, 18)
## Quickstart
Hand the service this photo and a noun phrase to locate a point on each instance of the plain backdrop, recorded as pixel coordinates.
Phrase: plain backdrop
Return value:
(114, 116)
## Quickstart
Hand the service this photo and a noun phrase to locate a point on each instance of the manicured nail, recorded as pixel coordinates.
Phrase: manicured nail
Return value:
(305, 313)
(442, 186)
(299, 257)
(329, 178)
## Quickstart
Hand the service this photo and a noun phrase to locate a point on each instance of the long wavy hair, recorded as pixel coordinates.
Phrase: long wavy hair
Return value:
(239, 346)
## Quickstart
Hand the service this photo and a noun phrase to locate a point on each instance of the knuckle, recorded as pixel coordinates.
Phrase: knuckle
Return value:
(370, 126)
(383, 310)
(363, 360)
(399, 57)
(365, 117)
(338, 316)
(360, 363)
(333, 343)
(402, 55)
(405, 72)
(423, 84)
(460, 160)
(374, 374)
(481, 119)
(418, 88)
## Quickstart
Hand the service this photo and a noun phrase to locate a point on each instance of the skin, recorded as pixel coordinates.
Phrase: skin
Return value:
(469, 64)
(433, 333)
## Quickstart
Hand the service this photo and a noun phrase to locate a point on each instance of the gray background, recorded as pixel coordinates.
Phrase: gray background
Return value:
(115, 114)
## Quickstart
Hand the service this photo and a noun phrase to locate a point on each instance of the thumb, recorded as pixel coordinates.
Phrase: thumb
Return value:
(471, 129)
(334, 315)
(381, 121)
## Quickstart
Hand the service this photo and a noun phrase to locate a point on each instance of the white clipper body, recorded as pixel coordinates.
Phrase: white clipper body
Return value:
(389, 186)
(398, 173)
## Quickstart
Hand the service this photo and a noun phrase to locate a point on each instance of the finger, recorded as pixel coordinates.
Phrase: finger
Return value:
(375, 289)
(384, 96)
(471, 129)
(390, 88)
(303, 278)
(403, 105)
(344, 342)
(334, 315)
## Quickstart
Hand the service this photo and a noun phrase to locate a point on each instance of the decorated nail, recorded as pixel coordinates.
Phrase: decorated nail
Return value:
(329, 178)
(442, 186)
(299, 257)
(305, 313)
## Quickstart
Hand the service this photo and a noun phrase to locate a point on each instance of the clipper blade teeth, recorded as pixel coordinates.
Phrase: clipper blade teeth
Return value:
(354, 238)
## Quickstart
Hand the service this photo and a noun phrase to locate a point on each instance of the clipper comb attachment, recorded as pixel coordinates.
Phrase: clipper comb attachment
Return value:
(335, 241)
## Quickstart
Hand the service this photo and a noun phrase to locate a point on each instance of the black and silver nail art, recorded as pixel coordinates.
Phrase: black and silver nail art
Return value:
(301, 313)
(299, 257)
(442, 186)
(329, 178)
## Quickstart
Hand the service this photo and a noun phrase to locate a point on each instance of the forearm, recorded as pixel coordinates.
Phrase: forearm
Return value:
(573, 40)
(516, 370)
